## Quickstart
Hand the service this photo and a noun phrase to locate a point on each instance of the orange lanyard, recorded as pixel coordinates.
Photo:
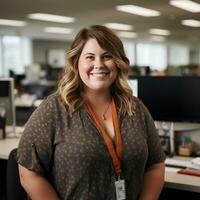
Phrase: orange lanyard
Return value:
(115, 152)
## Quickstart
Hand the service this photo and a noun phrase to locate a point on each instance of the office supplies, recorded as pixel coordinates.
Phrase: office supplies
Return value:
(196, 161)
(178, 163)
(186, 146)
(189, 172)
(194, 164)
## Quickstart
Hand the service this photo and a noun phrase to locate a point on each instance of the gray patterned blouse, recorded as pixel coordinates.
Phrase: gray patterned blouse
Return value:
(70, 153)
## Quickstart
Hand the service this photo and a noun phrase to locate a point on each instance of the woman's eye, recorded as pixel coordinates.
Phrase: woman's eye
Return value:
(89, 57)
(107, 57)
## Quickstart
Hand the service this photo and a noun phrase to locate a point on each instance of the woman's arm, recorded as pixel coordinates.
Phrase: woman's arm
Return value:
(37, 187)
(153, 182)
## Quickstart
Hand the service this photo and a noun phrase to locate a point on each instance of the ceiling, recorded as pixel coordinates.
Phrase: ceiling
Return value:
(87, 12)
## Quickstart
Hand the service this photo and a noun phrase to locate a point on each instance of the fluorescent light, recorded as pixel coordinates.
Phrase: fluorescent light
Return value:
(157, 31)
(117, 26)
(145, 12)
(190, 6)
(59, 30)
(191, 22)
(51, 18)
(157, 38)
(8, 22)
(125, 34)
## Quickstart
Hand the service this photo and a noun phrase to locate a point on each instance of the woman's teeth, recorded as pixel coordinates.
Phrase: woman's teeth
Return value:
(100, 74)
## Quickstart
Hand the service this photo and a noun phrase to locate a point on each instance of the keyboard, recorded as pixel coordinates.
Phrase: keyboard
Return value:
(178, 163)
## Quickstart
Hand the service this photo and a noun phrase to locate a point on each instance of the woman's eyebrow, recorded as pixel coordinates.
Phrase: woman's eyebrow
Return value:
(106, 52)
(88, 53)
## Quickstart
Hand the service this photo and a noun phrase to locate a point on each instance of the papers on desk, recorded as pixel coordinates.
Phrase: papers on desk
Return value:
(177, 162)
(25, 100)
(193, 168)
(37, 102)
(195, 164)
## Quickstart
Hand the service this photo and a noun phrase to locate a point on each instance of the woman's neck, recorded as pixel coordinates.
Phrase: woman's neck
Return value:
(98, 98)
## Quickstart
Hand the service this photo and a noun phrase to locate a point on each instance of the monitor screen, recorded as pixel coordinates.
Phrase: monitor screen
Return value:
(170, 98)
(133, 83)
(7, 99)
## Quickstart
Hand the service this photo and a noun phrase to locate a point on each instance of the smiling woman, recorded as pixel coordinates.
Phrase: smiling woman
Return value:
(92, 139)
(108, 50)
(97, 68)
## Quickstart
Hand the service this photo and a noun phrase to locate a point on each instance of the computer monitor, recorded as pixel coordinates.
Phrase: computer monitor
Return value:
(170, 98)
(7, 101)
(133, 83)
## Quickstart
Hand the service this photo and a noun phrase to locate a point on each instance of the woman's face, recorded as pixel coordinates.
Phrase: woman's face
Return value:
(96, 66)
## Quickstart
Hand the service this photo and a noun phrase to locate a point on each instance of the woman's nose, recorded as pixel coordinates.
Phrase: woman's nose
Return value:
(98, 63)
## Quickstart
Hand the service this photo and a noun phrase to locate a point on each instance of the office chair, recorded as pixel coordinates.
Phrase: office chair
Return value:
(14, 190)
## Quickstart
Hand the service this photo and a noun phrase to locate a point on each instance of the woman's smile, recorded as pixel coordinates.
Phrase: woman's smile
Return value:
(97, 68)
(99, 74)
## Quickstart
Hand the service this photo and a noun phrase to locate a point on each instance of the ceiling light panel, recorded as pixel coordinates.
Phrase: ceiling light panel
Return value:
(125, 34)
(190, 6)
(159, 31)
(51, 18)
(145, 12)
(118, 26)
(8, 22)
(157, 38)
(59, 30)
(191, 22)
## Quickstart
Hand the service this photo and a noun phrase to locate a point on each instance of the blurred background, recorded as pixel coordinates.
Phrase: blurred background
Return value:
(161, 39)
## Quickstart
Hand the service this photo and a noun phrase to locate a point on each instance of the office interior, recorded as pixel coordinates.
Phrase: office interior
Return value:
(161, 45)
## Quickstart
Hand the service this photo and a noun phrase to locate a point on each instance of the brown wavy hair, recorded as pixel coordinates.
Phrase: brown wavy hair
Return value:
(71, 86)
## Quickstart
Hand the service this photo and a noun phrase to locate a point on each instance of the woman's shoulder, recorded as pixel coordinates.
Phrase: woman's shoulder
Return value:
(49, 103)
(139, 106)
(52, 99)
(136, 102)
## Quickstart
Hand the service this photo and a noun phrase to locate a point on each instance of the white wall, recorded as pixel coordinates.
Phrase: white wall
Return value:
(41, 48)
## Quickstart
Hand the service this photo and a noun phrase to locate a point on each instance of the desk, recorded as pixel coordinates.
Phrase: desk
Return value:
(184, 182)
(173, 180)
(11, 142)
(6, 145)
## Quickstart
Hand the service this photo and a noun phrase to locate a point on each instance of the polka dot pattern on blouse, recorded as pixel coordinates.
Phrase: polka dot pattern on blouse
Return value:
(70, 153)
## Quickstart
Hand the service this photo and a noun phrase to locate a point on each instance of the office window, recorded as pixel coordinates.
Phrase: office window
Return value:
(152, 55)
(129, 48)
(16, 54)
(178, 55)
(194, 55)
(26, 52)
(11, 53)
(1, 63)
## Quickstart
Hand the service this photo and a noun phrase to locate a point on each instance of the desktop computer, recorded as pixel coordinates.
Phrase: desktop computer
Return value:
(7, 106)
(2, 122)
(166, 134)
(165, 142)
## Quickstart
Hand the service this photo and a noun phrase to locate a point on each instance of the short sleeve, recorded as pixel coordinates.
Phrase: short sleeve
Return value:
(155, 151)
(36, 143)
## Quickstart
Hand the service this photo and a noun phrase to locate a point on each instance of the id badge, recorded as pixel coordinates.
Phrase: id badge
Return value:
(120, 190)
